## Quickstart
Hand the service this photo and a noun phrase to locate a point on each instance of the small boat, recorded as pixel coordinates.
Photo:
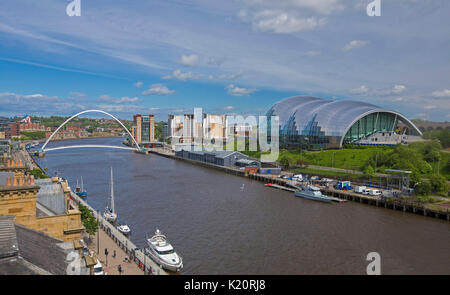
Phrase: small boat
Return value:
(80, 191)
(110, 213)
(125, 229)
(312, 193)
(163, 253)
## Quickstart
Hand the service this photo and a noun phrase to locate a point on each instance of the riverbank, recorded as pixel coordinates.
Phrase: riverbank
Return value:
(108, 237)
(430, 210)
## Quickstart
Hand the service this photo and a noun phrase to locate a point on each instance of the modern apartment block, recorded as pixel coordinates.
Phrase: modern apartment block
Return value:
(143, 129)
(206, 128)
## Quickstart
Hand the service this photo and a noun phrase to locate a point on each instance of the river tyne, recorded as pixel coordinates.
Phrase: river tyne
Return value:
(219, 228)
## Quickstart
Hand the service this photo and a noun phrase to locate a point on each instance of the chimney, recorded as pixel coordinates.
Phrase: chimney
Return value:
(32, 179)
(20, 180)
(15, 181)
(20, 163)
(9, 163)
(8, 181)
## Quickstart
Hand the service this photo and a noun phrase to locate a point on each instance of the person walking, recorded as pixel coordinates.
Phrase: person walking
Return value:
(114, 254)
(119, 268)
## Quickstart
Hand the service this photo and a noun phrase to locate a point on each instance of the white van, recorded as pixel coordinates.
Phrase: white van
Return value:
(360, 189)
(375, 192)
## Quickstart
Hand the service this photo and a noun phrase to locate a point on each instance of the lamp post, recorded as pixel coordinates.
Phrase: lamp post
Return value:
(332, 160)
(98, 232)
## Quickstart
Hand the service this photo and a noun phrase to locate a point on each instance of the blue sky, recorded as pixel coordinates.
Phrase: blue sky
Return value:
(236, 57)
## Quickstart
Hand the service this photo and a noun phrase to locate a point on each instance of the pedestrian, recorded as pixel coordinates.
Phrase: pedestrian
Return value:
(114, 254)
(119, 268)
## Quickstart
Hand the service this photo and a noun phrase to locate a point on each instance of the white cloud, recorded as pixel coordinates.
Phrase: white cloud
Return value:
(360, 90)
(229, 108)
(178, 75)
(398, 89)
(284, 23)
(124, 99)
(316, 6)
(189, 60)
(441, 93)
(355, 44)
(231, 76)
(237, 91)
(158, 89)
(138, 84)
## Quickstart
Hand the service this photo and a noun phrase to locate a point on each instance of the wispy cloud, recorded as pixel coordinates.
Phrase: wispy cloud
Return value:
(355, 44)
(238, 91)
(158, 89)
(124, 99)
(442, 93)
(179, 75)
(189, 60)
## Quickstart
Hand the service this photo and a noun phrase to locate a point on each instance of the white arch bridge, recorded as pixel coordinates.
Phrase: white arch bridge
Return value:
(45, 149)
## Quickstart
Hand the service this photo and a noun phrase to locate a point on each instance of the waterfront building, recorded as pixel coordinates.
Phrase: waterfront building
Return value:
(27, 124)
(9, 128)
(221, 158)
(175, 127)
(215, 127)
(165, 131)
(316, 123)
(143, 129)
(44, 205)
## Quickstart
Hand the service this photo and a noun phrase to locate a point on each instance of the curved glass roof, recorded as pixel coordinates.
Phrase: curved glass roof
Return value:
(333, 117)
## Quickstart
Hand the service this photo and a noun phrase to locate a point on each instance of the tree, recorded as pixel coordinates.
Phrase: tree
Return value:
(423, 188)
(89, 222)
(438, 184)
(286, 161)
(432, 156)
(368, 171)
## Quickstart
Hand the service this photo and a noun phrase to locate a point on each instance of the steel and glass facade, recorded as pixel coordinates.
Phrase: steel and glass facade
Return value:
(314, 123)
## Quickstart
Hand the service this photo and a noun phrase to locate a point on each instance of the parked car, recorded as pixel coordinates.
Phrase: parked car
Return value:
(98, 269)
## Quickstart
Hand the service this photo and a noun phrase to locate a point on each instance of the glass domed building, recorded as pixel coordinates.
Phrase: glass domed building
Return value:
(315, 123)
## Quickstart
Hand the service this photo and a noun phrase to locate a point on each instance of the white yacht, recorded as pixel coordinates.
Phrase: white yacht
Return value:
(110, 213)
(163, 253)
(125, 229)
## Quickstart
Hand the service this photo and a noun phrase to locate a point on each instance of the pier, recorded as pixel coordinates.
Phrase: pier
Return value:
(143, 261)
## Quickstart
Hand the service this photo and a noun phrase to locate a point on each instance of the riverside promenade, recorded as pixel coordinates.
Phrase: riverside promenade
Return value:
(110, 238)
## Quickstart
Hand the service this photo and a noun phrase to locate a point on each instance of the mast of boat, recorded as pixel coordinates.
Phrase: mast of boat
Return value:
(82, 186)
(112, 192)
(77, 182)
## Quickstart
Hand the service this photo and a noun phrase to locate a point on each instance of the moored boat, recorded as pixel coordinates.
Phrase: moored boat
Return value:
(163, 253)
(124, 229)
(312, 193)
(110, 213)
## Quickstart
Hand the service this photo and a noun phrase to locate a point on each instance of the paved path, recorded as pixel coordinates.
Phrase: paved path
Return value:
(128, 268)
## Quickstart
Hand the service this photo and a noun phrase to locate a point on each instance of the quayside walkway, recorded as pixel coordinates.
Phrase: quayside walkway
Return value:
(107, 230)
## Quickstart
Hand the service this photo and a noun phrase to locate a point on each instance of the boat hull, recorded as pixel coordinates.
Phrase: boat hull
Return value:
(164, 264)
(306, 196)
(82, 194)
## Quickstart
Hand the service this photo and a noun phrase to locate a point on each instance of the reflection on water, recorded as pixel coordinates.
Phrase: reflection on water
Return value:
(225, 224)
